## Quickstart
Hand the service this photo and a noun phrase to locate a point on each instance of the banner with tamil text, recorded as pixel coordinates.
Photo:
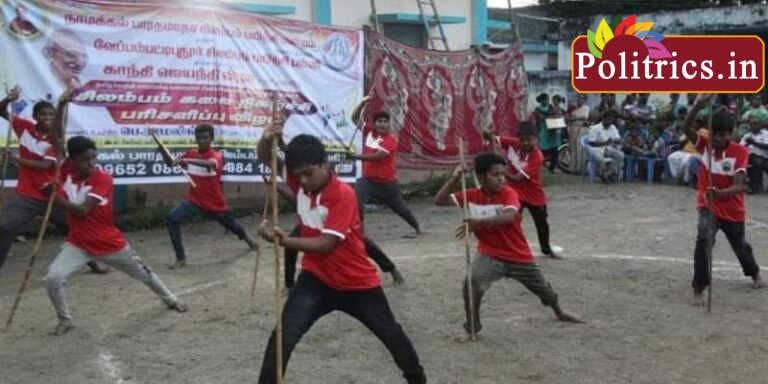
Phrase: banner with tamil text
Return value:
(166, 68)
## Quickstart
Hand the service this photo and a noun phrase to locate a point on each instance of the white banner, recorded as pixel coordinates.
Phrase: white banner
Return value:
(168, 68)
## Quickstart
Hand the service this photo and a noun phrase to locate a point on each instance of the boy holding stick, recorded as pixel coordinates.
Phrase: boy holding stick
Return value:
(502, 250)
(720, 197)
(37, 165)
(336, 273)
(205, 166)
(86, 193)
(524, 163)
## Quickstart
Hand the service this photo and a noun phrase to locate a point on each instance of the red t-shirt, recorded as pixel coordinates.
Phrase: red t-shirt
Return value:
(502, 242)
(529, 189)
(334, 211)
(209, 195)
(384, 170)
(725, 165)
(33, 146)
(95, 232)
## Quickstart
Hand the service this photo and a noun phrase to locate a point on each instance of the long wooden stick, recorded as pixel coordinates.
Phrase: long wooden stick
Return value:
(711, 227)
(170, 156)
(472, 331)
(6, 155)
(258, 250)
(277, 119)
(33, 255)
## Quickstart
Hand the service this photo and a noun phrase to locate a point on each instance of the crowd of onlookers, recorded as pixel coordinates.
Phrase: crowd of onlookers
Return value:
(638, 130)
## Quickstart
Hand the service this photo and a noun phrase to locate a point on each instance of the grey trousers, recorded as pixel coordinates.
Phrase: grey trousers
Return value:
(487, 270)
(18, 211)
(72, 258)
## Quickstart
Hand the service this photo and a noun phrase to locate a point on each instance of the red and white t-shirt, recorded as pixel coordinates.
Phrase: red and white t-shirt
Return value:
(502, 242)
(725, 165)
(38, 147)
(95, 232)
(384, 170)
(209, 195)
(334, 211)
(529, 189)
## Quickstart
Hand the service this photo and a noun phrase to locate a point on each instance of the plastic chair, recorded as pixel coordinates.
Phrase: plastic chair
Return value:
(630, 162)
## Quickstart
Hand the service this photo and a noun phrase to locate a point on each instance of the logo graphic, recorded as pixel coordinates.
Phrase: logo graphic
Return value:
(338, 53)
(24, 20)
(626, 56)
(628, 27)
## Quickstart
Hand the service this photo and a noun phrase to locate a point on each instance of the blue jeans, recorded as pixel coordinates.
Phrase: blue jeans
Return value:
(186, 209)
(310, 300)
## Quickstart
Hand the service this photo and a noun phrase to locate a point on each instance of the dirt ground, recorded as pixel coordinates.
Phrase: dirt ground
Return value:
(627, 268)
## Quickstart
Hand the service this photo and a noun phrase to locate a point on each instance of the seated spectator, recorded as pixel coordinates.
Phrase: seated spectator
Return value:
(756, 140)
(604, 141)
(635, 144)
(755, 107)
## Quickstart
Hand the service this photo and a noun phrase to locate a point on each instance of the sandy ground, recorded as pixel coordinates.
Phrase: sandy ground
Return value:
(627, 270)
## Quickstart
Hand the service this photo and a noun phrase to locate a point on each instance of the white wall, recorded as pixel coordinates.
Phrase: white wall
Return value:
(304, 10)
(564, 56)
(534, 61)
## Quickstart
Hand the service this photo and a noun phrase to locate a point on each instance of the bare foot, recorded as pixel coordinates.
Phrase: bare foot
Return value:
(178, 264)
(757, 282)
(178, 306)
(397, 277)
(464, 338)
(698, 299)
(251, 243)
(63, 327)
(569, 317)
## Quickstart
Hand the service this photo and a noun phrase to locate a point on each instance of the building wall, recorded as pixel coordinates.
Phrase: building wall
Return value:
(534, 61)
(356, 13)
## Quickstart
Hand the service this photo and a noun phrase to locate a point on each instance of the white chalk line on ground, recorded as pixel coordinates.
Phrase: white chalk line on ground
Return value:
(110, 364)
(718, 266)
(724, 265)
(107, 362)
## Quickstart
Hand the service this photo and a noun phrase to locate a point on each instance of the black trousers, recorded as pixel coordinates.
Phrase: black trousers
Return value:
(735, 233)
(311, 299)
(386, 193)
(18, 212)
(539, 214)
(374, 252)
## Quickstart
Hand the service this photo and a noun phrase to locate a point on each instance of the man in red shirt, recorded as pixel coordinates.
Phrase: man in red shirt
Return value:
(379, 181)
(336, 273)
(86, 193)
(37, 165)
(205, 165)
(524, 162)
(502, 250)
(727, 210)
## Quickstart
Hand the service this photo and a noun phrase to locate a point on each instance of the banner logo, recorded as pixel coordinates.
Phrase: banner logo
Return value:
(628, 57)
